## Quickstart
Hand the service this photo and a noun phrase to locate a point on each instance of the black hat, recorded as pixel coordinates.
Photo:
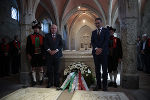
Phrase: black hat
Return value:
(110, 28)
(36, 24)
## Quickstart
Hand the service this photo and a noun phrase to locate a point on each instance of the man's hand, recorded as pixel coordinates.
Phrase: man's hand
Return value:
(119, 60)
(142, 51)
(19, 51)
(43, 57)
(98, 51)
(29, 57)
(52, 52)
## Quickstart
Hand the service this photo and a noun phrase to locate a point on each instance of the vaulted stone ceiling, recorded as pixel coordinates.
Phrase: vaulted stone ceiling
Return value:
(60, 11)
(68, 9)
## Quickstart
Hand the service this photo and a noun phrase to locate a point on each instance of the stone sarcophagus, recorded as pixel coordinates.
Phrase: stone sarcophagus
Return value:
(77, 56)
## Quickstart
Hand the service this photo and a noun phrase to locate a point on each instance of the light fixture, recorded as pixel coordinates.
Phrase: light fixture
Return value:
(79, 7)
(83, 20)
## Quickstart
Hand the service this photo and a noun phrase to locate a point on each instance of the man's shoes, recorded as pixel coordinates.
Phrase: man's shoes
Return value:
(41, 82)
(110, 84)
(33, 83)
(97, 88)
(49, 85)
(104, 89)
(139, 69)
(58, 88)
(56, 85)
(115, 85)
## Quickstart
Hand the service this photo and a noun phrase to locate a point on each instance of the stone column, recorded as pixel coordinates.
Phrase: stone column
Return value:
(28, 15)
(128, 16)
(25, 66)
(109, 12)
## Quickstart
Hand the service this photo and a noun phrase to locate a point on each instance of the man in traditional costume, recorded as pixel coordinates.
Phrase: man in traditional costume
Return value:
(115, 56)
(15, 53)
(35, 51)
(5, 57)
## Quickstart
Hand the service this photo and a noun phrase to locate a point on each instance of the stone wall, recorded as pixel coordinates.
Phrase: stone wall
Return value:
(8, 26)
(145, 23)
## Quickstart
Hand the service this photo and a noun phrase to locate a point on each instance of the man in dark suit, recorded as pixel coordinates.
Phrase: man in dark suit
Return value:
(99, 41)
(143, 55)
(53, 45)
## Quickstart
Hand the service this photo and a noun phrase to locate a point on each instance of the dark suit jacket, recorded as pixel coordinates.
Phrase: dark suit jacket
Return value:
(100, 42)
(51, 44)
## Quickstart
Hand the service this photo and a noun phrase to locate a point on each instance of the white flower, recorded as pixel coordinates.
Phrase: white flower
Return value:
(65, 73)
(80, 66)
(82, 72)
(89, 71)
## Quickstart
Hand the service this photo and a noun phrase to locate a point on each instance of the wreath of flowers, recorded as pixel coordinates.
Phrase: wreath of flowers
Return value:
(85, 71)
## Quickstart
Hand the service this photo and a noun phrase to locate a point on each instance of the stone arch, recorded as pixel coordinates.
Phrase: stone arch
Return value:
(115, 17)
(101, 9)
(77, 18)
(48, 14)
(65, 6)
(55, 11)
(76, 27)
(74, 11)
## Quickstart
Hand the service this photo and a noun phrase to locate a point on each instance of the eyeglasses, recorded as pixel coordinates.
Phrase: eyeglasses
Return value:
(97, 23)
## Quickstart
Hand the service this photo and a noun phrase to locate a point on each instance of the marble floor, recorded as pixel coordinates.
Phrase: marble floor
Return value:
(32, 93)
(10, 84)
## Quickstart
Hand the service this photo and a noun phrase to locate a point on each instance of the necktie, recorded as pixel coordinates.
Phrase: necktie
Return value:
(98, 34)
(53, 36)
(99, 31)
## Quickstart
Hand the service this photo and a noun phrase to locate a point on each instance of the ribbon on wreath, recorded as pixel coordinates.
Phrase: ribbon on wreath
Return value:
(81, 86)
(69, 79)
(76, 81)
